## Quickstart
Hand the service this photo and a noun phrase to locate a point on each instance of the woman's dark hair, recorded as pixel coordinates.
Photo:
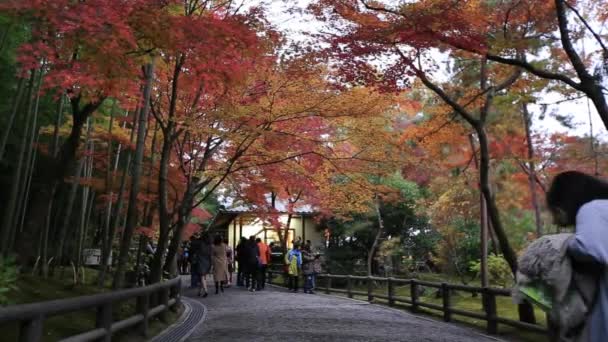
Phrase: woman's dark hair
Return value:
(218, 240)
(570, 190)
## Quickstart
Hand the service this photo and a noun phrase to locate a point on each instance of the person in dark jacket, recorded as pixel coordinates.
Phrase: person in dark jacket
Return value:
(240, 259)
(308, 269)
(201, 261)
(251, 262)
(194, 276)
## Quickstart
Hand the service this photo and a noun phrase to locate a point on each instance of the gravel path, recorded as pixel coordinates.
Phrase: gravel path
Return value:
(277, 315)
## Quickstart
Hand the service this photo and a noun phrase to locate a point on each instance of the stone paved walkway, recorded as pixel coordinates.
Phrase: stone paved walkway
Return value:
(277, 315)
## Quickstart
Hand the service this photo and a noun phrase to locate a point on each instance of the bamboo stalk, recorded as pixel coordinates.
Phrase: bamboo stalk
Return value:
(9, 214)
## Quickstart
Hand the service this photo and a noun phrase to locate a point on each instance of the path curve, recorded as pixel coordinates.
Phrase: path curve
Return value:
(277, 315)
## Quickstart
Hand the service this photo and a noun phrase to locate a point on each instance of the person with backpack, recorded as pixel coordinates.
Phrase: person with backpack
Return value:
(581, 200)
(294, 257)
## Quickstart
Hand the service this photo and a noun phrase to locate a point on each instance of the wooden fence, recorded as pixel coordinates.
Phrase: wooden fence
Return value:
(31, 317)
(488, 298)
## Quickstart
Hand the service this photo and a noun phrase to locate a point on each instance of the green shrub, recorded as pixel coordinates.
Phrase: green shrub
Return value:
(8, 278)
(499, 272)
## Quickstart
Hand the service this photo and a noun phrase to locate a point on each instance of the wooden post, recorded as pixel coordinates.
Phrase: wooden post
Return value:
(391, 291)
(303, 228)
(349, 286)
(164, 300)
(143, 305)
(414, 294)
(370, 288)
(234, 238)
(328, 284)
(489, 300)
(103, 319)
(31, 330)
(445, 293)
(240, 227)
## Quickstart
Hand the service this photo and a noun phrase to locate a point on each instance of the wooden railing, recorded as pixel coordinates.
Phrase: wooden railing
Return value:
(488, 298)
(31, 317)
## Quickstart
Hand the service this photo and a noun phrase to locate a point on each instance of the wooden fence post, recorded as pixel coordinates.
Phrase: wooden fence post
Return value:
(489, 300)
(164, 300)
(349, 286)
(445, 294)
(414, 294)
(391, 291)
(328, 284)
(103, 319)
(370, 288)
(143, 305)
(31, 330)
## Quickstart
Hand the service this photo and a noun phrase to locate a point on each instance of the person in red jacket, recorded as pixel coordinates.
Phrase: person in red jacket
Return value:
(264, 259)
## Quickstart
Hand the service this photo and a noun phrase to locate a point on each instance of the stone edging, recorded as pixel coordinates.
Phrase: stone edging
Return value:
(193, 316)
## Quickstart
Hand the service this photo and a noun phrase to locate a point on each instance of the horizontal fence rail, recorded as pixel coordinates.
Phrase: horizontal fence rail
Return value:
(488, 298)
(161, 296)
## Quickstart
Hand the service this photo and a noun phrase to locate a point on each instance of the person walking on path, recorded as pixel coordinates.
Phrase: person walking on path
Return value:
(251, 260)
(230, 258)
(201, 267)
(578, 199)
(295, 264)
(264, 259)
(240, 259)
(194, 275)
(220, 263)
(286, 278)
(307, 269)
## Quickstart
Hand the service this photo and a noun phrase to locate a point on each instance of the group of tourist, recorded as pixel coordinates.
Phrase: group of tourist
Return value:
(206, 258)
(301, 260)
(253, 257)
(202, 258)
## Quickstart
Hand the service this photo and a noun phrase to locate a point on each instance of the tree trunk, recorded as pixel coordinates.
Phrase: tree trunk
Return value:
(372, 251)
(135, 182)
(532, 171)
(114, 215)
(29, 164)
(184, 218)
(55, 146)
(63, 229)
(164, 216)
(28, 184)
(84, 210)
(483, 222)
(108, 191)
(526, 311)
